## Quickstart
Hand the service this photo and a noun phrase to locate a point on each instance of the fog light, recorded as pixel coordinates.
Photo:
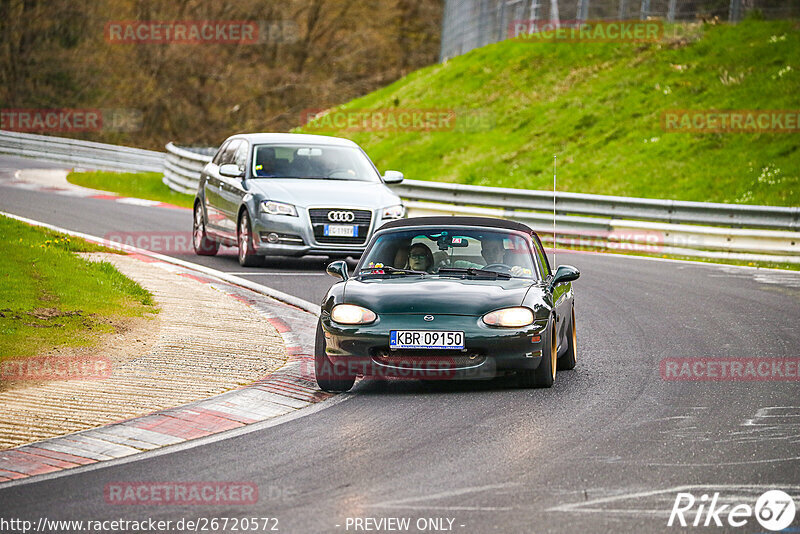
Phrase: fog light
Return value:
(273, 238)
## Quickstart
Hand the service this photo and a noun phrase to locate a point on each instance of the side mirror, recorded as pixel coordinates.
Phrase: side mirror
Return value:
(338, 269)
(393, 177)
(564, 273)
(230, 170)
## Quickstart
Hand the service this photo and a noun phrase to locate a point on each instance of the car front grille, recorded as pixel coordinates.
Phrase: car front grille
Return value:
(428, 360)
(361, 219)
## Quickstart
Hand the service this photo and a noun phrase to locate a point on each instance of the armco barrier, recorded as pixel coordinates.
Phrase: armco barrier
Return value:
(701, 229)
(671, 211)
(81, 154)
(733, 231)
(182, 168)
(185, 165)
(743, 244)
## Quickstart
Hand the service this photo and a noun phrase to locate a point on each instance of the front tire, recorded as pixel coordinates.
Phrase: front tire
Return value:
(203, 246)
(545, 375)
(327, 375)
(570, 358)
(247, 255)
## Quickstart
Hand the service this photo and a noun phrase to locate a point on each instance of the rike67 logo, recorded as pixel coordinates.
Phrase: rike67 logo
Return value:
(774, 510)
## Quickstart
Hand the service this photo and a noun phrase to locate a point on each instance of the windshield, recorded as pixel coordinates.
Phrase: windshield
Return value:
(454, 252)
(312, 162)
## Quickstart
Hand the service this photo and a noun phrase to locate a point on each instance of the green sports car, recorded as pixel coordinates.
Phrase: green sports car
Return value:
(446, 298)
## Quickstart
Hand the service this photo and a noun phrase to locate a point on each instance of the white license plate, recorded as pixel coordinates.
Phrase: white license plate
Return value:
(425, 339)
(341, 230)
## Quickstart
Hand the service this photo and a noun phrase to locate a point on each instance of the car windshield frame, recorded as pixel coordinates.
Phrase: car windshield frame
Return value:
(364, 171)
(531, 271)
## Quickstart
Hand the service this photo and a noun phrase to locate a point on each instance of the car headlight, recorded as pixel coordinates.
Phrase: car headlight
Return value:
(352, 314)
(394, 212)
(278, 208)
(509, 317)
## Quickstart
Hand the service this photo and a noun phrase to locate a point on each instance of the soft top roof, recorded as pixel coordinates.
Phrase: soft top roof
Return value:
(486, 222)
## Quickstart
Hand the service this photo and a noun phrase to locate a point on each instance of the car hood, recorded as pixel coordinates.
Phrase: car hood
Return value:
(435, 295)
(308, 193)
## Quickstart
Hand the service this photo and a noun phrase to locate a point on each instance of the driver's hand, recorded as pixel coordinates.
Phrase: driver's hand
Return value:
(516, 271)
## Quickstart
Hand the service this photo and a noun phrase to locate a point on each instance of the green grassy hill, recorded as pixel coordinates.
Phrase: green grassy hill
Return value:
(599, 108)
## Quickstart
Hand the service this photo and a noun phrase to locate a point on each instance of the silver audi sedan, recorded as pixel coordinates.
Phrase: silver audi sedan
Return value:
(291, 195)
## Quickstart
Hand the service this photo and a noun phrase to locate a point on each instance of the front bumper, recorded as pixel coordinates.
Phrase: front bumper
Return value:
(488, 351)
(295, 236)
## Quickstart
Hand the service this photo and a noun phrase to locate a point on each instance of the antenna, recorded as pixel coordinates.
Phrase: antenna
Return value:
(555, 166)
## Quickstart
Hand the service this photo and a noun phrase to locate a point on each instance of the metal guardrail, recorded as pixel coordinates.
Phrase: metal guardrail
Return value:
(587, 221)
(670, 211)
(657, 238)
(184, 165)
(691, 228)
(81, 154)
(182, 168)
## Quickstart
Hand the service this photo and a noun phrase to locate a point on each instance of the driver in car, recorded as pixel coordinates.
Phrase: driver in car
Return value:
(266, 166)
(420, 258)
(493, 252)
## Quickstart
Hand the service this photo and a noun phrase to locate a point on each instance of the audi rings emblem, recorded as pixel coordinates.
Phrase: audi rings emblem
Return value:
(428, 318)
(341, 216)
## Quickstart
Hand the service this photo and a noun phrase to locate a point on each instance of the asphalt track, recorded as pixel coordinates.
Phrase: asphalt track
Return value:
(606, 449)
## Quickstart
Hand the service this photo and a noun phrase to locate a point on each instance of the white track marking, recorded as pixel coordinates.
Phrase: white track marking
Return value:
(407, 502)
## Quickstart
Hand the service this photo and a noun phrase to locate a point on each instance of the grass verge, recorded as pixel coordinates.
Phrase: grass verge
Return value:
(146, 185)
(599, 107)
(50, 297)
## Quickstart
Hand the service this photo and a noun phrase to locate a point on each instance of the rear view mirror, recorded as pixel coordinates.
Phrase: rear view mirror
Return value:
(230, 170)
(445, 242)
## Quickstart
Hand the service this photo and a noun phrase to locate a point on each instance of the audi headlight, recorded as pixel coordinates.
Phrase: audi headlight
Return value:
(278, 208)
(509, 317)
(394, 212)
(352, 314)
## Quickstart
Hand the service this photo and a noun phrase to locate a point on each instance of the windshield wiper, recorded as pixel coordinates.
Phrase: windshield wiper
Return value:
(389, 270)
(472, 271)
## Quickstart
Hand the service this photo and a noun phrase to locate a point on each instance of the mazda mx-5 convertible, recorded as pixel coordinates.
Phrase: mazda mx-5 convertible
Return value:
(447, 298)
